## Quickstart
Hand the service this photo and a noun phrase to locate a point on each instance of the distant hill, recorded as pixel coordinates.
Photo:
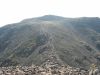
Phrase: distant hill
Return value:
(72, 41)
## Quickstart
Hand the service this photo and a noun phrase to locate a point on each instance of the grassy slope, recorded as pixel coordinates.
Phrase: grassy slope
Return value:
(72, 41)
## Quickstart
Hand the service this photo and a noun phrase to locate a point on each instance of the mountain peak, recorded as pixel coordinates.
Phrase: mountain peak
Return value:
(51, 17)
(45, 18)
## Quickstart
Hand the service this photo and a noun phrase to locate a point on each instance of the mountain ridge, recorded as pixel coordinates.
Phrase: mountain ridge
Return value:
(72, 41)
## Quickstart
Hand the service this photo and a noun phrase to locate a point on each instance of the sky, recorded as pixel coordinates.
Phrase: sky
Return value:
(12, 11)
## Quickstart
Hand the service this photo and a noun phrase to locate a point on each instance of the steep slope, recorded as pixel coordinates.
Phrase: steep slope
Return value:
(71, 41)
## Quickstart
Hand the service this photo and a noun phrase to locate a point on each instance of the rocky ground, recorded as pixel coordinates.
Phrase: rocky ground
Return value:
(49, 68)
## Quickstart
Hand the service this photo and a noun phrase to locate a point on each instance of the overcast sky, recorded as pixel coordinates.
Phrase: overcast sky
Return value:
(12, 11)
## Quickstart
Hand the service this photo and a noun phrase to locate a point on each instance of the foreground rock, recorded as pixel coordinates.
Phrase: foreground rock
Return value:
(48, 69)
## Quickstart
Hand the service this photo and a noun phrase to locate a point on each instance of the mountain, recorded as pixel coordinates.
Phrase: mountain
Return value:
(72, 41)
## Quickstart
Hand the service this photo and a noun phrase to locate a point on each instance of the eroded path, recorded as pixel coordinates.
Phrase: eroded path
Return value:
(51, 52)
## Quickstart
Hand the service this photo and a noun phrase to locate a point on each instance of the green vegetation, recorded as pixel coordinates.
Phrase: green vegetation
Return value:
(51, 38)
